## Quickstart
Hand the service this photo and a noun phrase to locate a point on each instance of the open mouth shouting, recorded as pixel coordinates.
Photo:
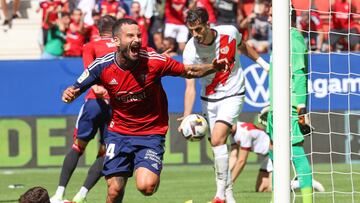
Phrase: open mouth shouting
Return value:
(134, 49)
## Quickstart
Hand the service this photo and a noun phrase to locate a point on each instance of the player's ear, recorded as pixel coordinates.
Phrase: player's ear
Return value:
(116, 41)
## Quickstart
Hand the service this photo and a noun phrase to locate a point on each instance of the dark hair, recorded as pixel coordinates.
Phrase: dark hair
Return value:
(35, 195)
(94, 13)
(197, 14)
(119, 23)
(105, 24)
(63, 14)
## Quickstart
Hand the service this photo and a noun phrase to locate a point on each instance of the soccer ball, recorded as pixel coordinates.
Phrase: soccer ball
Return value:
(194, 127)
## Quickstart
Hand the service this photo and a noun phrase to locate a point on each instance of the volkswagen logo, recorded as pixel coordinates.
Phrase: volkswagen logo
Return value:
(257, 93)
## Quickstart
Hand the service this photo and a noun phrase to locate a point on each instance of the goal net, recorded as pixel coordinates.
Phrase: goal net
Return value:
(331, 30)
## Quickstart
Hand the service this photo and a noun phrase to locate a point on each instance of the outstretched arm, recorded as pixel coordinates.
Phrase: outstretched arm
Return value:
(252, 54)
(201, 70)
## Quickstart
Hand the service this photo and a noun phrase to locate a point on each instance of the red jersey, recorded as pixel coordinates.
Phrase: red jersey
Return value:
(109, 8)
(315, 22)
(92, 32)
(53, 16)
(174, 11)
(138, 100)
(76, 41)
(209, 8)
(341, 14)
(96, 49)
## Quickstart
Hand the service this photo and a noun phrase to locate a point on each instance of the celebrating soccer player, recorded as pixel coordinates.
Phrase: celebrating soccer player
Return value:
(222, 93)
(139, 121)
(94, 115)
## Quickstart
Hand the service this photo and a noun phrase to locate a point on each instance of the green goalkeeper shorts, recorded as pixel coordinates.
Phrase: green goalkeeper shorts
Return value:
(296, 136)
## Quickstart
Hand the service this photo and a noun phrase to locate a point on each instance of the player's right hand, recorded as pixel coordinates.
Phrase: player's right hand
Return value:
(70, 94)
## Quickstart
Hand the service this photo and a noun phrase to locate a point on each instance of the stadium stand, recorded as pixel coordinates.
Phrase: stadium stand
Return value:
(25, 32)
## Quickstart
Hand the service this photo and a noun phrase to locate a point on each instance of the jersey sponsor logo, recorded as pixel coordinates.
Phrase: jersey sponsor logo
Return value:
(113, 82)
(257, 94)
(83, 76)
(125, 96)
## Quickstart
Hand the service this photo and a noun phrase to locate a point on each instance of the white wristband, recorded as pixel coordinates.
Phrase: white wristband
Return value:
(263, 64)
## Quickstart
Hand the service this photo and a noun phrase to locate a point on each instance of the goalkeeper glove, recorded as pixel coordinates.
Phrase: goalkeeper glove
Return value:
(304, 120)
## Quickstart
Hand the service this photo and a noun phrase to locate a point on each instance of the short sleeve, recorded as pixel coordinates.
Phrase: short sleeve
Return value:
(189, 53)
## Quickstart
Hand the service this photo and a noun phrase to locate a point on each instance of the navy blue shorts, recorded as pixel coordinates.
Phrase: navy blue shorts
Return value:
(94, 115)
(125, 153)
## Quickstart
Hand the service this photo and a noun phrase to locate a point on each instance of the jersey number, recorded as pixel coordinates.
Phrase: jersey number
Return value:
(110, 150)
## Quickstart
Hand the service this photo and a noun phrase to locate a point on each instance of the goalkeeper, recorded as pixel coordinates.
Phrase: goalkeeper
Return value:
(298, 102)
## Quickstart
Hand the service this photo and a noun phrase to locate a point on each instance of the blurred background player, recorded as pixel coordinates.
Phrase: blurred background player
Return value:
(299, 70)
(248, 137)
(222, 93)
(35, 195)
(94, 115)
(75, 37)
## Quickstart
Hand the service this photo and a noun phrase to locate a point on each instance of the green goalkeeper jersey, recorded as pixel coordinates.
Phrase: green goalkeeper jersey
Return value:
(299, 70)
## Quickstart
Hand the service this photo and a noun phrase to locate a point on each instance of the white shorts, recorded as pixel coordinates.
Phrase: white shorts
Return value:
(266, 165)
(226, 110)
(178, 32)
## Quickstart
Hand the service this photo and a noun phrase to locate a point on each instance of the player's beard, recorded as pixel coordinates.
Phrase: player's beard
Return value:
(130, 51)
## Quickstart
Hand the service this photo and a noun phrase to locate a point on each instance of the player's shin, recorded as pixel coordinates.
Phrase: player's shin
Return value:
(221, 160)
(229, 189)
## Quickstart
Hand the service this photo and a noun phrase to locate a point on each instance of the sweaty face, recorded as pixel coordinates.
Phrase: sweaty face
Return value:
(128, 41)
(199, 31)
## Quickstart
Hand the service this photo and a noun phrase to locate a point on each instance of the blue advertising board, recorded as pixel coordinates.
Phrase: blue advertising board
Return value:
(34, 87)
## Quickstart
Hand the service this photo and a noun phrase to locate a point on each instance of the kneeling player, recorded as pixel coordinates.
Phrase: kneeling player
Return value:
(248, 137)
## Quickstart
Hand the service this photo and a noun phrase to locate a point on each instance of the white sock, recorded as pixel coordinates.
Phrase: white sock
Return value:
(229, 189)
(83, 191)
(60, 191)
(221, 160)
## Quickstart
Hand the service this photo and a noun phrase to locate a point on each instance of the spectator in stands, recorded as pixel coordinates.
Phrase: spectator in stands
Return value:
(343, 24)
(35, 195)
(92, 31)
(157, 25)
(170, 46)
(15, 12)
(141, 20)
(87, 6)
(310, 25)
(75, 35)
(228, 12)
(56, 6)
(56, 35)
(259, 28)
(175, 21)
(209, 6)
(112, 7)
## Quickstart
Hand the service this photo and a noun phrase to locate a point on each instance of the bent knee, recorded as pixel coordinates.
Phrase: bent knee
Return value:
(147, 189)
(114, 191)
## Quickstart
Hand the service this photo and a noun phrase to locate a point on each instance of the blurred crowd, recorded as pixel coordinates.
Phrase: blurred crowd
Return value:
(68, 24)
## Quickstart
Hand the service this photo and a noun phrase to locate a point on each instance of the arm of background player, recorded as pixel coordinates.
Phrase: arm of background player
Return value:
(240, 163)
(252, 54)
(189, 98)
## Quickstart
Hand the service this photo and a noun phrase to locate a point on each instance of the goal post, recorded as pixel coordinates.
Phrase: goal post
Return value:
(281, 99)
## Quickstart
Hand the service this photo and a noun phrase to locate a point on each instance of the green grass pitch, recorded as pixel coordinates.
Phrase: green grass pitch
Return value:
(181, 183)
